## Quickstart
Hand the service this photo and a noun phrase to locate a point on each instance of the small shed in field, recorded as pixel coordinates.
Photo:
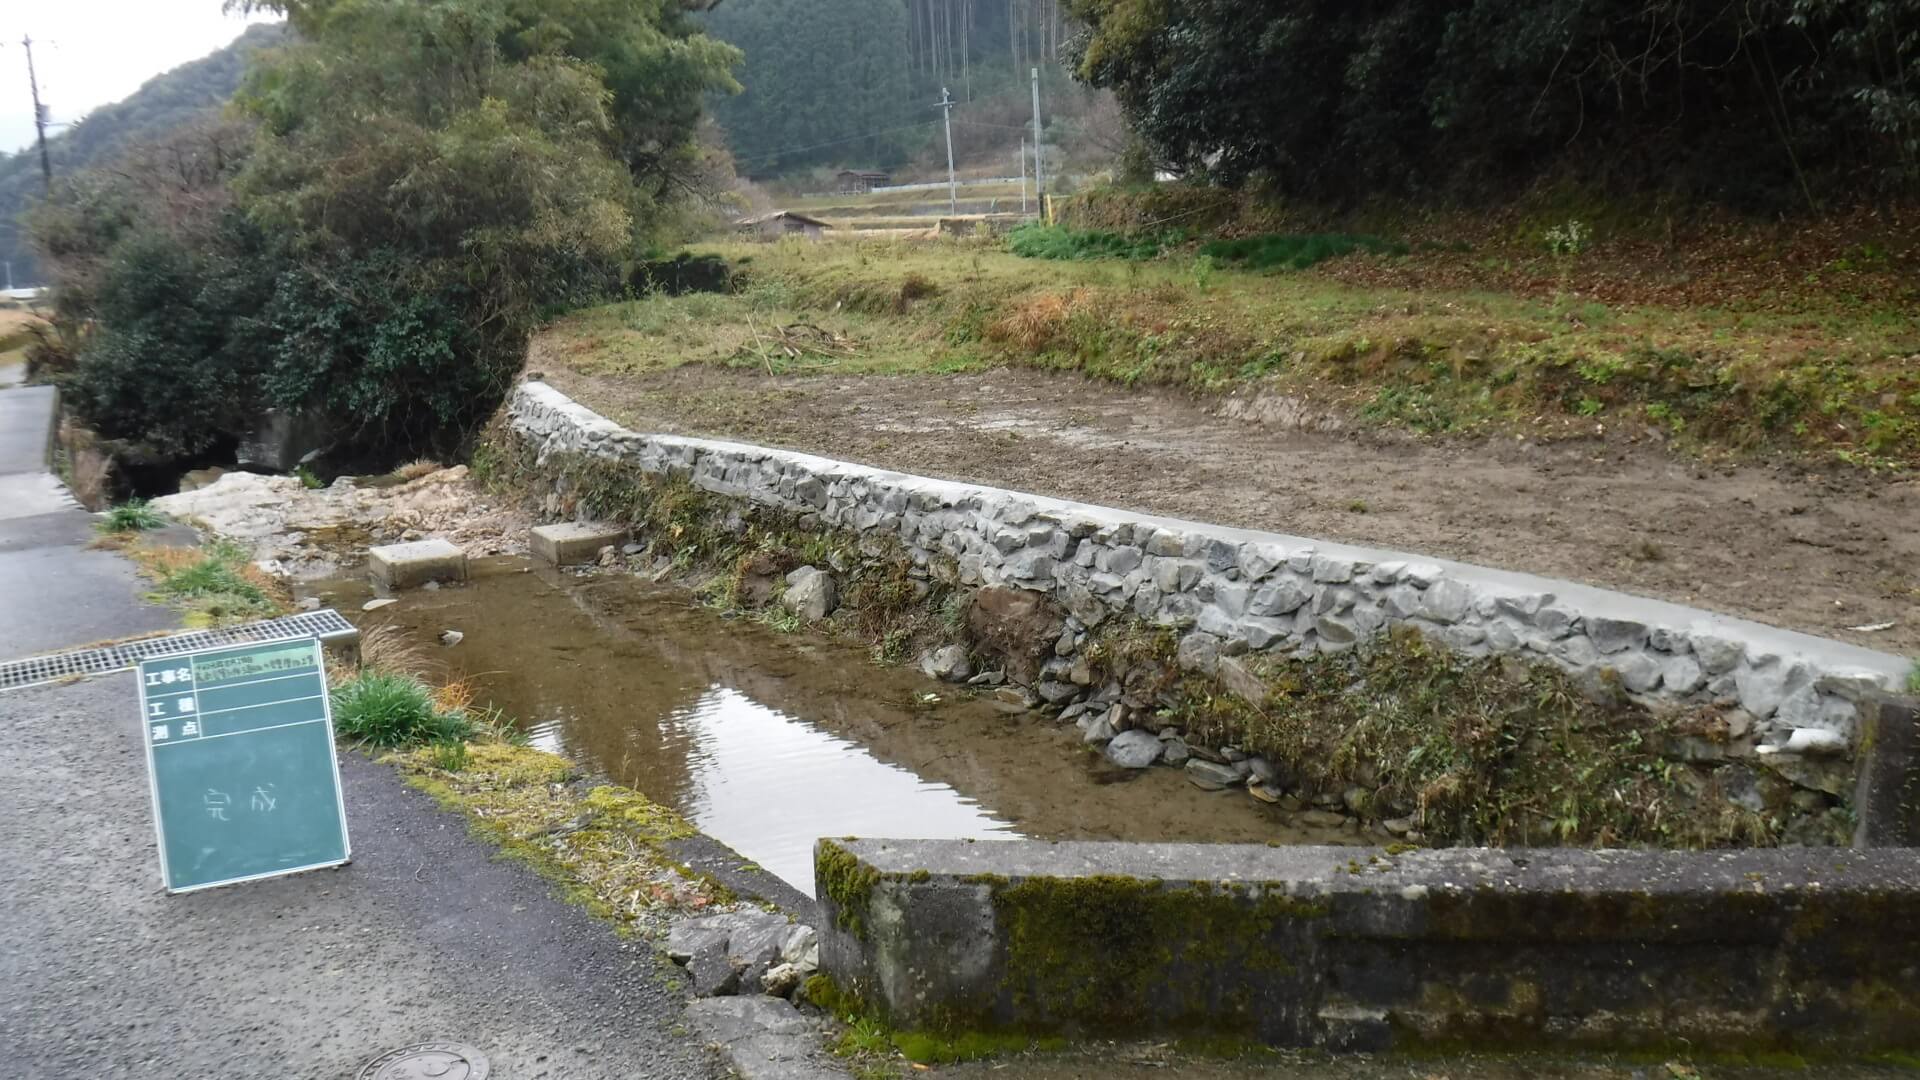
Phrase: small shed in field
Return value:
(779, 223)
(861, 181)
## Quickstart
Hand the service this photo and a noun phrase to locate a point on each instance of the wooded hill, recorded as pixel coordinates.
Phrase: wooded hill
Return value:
(854, 82)
(162, 104)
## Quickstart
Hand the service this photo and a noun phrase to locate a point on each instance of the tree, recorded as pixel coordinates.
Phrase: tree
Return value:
(1757, 103)
(426, 178)
(824, 81)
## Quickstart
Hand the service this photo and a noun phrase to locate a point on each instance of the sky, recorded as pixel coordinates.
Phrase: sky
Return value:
(90, 53)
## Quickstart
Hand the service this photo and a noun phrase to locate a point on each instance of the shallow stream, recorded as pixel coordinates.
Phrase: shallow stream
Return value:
(768, 741)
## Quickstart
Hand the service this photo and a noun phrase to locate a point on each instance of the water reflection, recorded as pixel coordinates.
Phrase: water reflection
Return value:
(768, 742)
(769, 784)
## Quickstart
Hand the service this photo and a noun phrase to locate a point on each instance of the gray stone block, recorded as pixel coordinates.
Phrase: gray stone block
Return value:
(574, 542)
(406, 566)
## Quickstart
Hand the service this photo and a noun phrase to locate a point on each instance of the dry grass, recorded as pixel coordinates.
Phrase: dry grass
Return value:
(1040, 322)
(414, 470)
(389, 649)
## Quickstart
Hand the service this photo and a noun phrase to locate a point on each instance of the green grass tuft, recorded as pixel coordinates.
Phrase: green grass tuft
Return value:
(134, 515)
(1060, 242)
(394, 711)
(1296, 251)
(1913, 679)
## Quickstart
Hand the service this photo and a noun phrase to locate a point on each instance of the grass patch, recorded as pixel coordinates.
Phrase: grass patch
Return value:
(131, 516)
(605, 847)
(1435, 360)
(390, 711)
(1913, 679)
(1060, 242)
(1296, 251)
(215, 585)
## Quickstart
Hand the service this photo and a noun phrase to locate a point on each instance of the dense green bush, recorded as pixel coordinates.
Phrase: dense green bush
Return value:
(1759, 103)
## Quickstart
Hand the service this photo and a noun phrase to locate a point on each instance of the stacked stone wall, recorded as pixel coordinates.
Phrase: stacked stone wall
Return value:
(1234, 591)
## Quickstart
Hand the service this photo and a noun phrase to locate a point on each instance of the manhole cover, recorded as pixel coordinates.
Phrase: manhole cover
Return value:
(428, 1061)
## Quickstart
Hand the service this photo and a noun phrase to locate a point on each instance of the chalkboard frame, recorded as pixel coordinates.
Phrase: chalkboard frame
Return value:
(333, 761)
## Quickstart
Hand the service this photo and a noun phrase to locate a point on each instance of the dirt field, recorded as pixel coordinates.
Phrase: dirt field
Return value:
(1818, 553)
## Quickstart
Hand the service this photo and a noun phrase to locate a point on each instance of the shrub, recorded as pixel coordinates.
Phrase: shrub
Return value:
(394, 711)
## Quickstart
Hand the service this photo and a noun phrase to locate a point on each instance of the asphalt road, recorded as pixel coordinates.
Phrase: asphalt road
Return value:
(424, 936)
(55, 592)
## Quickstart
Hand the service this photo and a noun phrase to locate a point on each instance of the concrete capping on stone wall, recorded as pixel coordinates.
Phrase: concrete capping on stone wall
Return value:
(1807, 951)
(1235, 590)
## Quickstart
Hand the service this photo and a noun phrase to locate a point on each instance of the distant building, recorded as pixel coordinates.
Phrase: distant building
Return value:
(860, 182)
(779, 223)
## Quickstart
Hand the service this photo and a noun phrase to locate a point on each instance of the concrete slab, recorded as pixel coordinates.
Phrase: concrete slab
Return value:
(26, 428)
(31, 494)
(404, 566)
(574, 542)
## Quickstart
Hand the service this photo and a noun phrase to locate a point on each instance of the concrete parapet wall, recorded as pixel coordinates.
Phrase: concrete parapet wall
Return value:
(1235, 589)
(1802, 951)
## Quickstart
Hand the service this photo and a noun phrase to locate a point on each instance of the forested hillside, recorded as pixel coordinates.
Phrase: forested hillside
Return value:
(163, 103)
(853, 83)
(1762, 105)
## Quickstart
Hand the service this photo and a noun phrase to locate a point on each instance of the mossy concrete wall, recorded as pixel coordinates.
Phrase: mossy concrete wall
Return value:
(1887, 799)
(1809, 952)
(1231, 591)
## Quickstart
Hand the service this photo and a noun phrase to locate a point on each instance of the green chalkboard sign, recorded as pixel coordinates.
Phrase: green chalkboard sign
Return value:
(240, 757)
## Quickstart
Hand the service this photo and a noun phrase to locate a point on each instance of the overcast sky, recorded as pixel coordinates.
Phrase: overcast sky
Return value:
(93, 52)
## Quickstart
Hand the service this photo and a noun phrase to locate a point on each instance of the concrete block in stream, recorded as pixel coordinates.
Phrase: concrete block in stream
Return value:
(574, 542)
(404, 566)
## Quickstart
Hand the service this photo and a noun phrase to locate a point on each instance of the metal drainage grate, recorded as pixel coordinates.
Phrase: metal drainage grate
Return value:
(326, 625)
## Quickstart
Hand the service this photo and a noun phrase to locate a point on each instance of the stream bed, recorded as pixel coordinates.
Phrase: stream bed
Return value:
(768, 741)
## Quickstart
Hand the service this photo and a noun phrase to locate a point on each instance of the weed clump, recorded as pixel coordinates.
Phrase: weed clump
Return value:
(131, 516)
(391, 711)
(217, 585)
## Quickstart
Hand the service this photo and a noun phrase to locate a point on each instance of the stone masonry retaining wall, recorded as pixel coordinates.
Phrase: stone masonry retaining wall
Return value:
(1799, 951)
(1238, 590)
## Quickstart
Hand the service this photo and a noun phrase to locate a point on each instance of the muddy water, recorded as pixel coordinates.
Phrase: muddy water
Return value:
(769, 741)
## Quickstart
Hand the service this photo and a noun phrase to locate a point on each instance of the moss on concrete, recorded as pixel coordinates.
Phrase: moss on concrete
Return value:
(1110, 954)
(848, 883)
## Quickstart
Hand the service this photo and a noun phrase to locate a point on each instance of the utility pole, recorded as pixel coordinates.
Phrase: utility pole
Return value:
(953, 184)
(1023, 174)
(1039, 167)
(39, 116)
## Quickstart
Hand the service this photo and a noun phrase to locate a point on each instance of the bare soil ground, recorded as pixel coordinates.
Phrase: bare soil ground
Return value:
(1817, 552)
